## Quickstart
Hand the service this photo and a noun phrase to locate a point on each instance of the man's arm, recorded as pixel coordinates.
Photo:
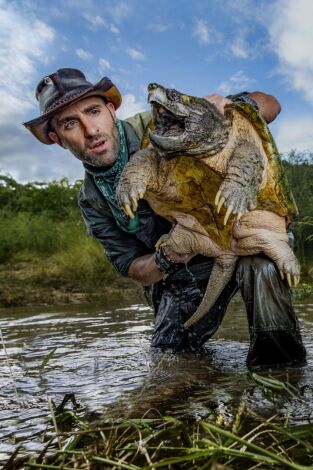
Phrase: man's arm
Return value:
(268, 105)
(146, 271)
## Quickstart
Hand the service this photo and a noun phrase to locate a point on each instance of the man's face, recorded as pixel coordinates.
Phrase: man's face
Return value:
(88, 129)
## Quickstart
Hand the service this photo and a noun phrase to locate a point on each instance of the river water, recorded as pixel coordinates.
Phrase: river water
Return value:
(103, 356)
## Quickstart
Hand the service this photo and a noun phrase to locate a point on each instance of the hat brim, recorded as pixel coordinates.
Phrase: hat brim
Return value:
(39, 127)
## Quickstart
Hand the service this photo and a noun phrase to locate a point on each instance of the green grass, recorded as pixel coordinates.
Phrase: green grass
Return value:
(169, 443)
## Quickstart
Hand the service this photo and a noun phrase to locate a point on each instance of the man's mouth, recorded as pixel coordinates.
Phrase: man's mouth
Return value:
(99, 146)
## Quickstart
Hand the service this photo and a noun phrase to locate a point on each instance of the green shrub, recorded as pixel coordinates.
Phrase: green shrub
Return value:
(83, 263)
(37, 234)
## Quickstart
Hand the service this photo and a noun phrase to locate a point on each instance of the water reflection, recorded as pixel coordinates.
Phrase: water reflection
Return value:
(104, 357)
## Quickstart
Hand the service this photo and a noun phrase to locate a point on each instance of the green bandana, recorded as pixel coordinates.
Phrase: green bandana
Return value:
(107, 182)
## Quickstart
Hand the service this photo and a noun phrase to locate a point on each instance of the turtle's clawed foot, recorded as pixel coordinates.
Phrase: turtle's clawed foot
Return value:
(128, 199)
(291, 272)
(237, 200)
(293, 280)
(219, 201)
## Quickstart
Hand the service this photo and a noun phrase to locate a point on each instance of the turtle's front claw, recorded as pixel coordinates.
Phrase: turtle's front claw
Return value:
(217, 197)
(134, 204)
(228, 213)
(221, 202)
(128, 211)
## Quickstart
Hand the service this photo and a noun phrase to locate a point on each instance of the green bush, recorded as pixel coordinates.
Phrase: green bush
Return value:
(82, 263)
(37, 234)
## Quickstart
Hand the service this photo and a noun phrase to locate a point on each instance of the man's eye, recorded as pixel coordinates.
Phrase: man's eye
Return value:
(94, 112)
(69, 124)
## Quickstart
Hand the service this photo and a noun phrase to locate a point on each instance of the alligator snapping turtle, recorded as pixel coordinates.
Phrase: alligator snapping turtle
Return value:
(197, 162)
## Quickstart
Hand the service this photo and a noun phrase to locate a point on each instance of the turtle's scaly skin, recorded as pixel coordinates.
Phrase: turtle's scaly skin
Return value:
(200, 159)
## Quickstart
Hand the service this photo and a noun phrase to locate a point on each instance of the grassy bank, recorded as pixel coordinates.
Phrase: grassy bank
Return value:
(46, 256)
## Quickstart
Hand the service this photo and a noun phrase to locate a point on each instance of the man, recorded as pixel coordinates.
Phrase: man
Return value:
(81, 117)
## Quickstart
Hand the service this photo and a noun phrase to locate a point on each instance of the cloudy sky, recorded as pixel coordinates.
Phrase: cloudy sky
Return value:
(197, 47)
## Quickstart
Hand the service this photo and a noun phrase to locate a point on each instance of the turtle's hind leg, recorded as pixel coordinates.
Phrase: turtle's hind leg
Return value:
(264, 231)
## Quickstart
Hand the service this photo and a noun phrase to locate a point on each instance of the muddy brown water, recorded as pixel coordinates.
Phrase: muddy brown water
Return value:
(103, 356)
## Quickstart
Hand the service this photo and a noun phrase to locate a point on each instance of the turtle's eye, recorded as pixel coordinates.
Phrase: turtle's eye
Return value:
(172, 95)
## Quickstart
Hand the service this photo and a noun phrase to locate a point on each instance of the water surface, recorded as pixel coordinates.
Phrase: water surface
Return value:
(103, 356)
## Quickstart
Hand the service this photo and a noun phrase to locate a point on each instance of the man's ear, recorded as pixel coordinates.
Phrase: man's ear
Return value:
(111, 108)
(55, 139)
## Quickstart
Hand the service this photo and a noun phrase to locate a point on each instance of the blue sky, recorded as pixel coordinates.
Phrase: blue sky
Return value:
(197, 47)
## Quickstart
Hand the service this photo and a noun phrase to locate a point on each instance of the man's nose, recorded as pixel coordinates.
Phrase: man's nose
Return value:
(90, 128)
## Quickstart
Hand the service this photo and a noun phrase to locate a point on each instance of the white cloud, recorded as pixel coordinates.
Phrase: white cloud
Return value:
(113, 28)
(135, 54)
(205, 34)
(291, 34)
(82, 54)
(237, 82)
(104, 65)
(23, 42)
(130, 106)
(240, 48)
(120, 11)
(94, 21)
(295, 133)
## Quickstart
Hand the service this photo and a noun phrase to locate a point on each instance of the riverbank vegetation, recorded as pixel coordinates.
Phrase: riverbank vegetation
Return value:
(243, 439)
(47, 257)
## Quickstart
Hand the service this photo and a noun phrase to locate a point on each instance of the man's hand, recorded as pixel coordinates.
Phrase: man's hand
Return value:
(219, 101)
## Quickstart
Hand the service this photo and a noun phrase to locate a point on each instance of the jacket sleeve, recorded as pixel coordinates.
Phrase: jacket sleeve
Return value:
(139, 123)
(120, 248)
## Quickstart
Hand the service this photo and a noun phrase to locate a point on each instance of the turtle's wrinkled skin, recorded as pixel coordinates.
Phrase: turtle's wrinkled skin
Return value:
(218, 179)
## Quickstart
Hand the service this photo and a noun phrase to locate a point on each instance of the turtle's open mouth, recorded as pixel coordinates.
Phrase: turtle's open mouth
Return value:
(166, 123)
(169, 119)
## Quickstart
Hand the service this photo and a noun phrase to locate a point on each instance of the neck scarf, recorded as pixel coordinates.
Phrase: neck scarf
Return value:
(107, 182)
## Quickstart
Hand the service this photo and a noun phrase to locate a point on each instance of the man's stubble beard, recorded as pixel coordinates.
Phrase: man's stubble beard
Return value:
(107, 157)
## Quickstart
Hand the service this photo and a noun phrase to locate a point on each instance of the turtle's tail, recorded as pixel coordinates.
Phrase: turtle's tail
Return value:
(221, 274)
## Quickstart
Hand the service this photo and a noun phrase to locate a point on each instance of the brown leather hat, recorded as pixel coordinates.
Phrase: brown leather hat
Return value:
(61, 89)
